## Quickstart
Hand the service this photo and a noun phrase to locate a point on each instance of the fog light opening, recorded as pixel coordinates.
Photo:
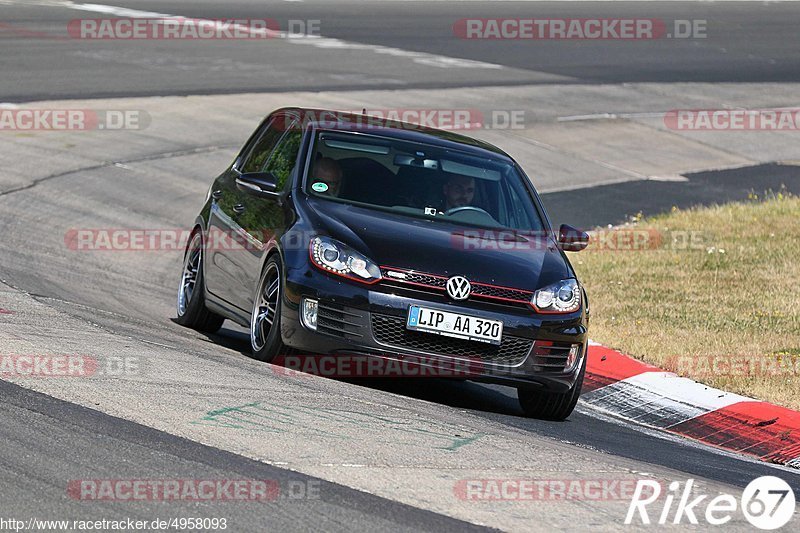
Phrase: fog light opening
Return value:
(573, 357)
(309, 314)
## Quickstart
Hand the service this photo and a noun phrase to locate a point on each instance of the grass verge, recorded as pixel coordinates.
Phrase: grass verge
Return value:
(711, 293)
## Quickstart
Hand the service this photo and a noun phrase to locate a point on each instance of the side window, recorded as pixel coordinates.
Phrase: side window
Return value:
(256, 159)
(284, 156)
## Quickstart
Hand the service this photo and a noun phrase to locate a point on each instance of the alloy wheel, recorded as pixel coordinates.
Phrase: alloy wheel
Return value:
(191, 271)
(265, 307)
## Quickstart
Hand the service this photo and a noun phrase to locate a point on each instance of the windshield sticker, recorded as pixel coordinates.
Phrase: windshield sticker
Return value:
(320, 186)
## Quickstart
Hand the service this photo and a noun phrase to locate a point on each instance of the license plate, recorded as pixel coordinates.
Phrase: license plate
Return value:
(454, 325)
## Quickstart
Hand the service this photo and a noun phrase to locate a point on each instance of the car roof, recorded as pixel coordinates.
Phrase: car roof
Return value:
(347, 121)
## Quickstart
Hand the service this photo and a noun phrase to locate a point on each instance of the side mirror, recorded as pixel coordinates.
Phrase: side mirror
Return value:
(263, 184)
(572, 239)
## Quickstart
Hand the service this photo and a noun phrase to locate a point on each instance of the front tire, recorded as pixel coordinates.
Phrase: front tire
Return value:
(265, 320)
(556, 406)
(192, 311)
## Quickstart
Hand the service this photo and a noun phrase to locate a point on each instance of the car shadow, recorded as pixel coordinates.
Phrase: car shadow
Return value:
(460, 394)
(583, 429)
(232, 337)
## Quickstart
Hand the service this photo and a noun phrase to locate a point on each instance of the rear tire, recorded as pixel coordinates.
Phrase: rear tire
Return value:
(555, 406)
(265, 320)
(192, 311)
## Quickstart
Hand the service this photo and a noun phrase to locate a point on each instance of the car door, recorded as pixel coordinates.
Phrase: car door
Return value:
(251, 221)
(264, 217)
(226, 239)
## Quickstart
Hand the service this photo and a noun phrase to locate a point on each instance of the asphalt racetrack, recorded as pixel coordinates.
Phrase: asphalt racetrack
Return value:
(348, 455)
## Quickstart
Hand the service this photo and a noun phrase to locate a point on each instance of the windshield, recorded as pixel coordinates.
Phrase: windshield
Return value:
(420, 180)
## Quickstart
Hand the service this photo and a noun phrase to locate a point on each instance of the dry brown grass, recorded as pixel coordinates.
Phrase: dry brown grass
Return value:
(733, 298)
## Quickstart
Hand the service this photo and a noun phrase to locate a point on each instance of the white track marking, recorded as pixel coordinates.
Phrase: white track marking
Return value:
(421, 58)
(610, 116)
(118, 11)
(687, 390)
(660, 399)
(670, 178)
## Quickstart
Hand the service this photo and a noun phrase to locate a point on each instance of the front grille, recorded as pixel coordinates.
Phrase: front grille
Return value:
(435, 284)
(425, 279)
(491, 291)
(391, 331)
(335, 320)
(549, 356)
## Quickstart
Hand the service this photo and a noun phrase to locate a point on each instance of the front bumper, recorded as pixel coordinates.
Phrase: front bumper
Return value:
(356, 319)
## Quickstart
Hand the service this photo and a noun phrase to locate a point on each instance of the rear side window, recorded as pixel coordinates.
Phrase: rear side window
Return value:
(256, 160)
(284, 157)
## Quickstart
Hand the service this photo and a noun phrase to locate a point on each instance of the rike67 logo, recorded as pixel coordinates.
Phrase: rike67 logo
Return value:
(768, 503)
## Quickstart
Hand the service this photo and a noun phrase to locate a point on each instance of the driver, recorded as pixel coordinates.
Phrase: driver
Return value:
(328, 171)
(459, 191)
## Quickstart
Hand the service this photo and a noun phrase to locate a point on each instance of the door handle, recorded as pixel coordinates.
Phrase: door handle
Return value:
(216, 195)
(238, 209)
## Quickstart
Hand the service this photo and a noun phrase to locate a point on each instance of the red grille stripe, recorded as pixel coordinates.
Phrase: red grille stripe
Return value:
(525, 299)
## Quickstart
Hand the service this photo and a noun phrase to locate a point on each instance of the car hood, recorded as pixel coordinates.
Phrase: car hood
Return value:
(500, 258)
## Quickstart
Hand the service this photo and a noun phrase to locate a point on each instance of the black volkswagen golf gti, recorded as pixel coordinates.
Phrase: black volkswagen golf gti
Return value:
(341, 234)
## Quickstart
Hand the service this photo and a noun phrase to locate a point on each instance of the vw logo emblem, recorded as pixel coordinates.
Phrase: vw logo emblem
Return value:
(458, 288)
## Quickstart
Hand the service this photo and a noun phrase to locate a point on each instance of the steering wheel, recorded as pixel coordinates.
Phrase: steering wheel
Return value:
(455, 210)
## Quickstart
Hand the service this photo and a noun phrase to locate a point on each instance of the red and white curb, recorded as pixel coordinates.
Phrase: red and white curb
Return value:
(648, 395)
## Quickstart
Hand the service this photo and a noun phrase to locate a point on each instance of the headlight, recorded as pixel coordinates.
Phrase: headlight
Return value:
(332, 256)
(561, 297)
